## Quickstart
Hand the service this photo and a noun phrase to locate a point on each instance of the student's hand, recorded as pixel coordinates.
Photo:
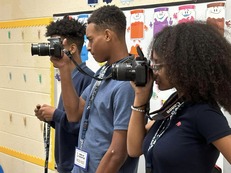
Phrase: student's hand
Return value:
(38, 113)
(47, 112)
(44, 112)
(62, 62)
(143, 92)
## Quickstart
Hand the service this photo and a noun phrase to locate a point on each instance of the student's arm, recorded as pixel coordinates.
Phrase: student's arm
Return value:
(136, 132)
(116, 154)
(72, 102)
(137, 124)
(224, 146)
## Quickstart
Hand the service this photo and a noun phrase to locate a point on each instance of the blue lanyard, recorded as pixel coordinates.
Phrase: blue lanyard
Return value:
(94, 91)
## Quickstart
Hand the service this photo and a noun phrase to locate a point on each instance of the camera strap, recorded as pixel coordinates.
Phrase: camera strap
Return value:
(77, 65)
(129, 58)
(170, 107)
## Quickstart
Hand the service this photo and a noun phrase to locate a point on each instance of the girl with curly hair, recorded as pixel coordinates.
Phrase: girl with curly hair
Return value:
(190, 130)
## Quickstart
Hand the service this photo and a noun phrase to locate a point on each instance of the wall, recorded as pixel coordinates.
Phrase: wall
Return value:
(27, 80)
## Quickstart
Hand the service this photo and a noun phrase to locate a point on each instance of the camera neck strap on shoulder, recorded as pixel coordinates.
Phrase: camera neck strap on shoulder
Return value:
(170, 107)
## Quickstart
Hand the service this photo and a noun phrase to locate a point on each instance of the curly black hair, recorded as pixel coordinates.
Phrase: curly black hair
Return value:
(109, 17)
(69, 28)
(197, 59)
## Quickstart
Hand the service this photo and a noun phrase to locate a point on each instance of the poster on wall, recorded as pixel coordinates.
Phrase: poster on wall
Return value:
(144, 22)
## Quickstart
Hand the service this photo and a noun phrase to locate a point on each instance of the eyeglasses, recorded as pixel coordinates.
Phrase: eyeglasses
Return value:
(156, 67)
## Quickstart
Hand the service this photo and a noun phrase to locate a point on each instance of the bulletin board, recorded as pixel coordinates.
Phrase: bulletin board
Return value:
(143, 22)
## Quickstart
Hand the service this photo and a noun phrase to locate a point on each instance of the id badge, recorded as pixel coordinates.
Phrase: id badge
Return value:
(81, 159)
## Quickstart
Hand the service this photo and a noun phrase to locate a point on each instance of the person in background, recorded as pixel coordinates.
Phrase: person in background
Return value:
(104, 104)
(66, 133)
(190, 130)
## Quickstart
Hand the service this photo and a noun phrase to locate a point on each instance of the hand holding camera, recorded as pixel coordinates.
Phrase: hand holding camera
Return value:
(54, 48)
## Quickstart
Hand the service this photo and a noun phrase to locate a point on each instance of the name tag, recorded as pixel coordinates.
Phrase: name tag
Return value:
(81, 159)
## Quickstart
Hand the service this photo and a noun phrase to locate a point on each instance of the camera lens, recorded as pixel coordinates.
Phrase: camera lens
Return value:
(41, 49)
(123, 72)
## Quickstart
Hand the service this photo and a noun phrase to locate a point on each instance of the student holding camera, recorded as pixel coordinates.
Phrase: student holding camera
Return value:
(104, 104)
(190, 130)
(66, 133)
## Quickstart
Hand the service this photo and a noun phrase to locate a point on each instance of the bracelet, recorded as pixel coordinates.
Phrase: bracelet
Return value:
(140, 106)
(137, 109)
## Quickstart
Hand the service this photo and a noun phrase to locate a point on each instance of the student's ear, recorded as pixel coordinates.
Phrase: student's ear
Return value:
(108, 34)
(73, 48)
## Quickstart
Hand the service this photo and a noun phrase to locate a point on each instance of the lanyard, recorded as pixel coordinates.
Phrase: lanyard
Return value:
(96, 88)
(94, 91)
(166, 113)
(46, 137)
(160, 131)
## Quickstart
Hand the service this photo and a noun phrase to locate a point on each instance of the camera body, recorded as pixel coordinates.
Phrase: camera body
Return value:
(53, 48)
(136, 70)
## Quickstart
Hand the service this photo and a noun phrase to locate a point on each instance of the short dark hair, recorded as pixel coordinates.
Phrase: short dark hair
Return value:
(69, 28)
(109, 17)
(197, 61)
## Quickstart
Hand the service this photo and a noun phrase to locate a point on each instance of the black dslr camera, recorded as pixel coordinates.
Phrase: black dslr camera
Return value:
(136, 70)
(54, 48)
